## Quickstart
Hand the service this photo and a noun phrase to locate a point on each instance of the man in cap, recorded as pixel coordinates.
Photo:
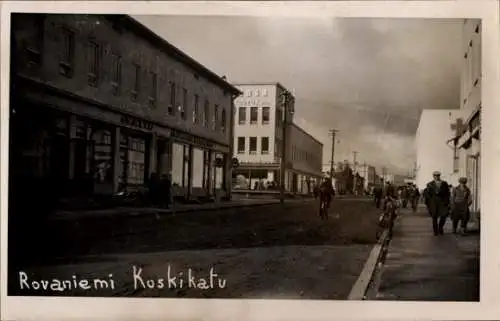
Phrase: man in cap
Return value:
(437, 199)
(461, 200)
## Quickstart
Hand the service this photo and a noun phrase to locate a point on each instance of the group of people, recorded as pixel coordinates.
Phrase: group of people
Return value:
(442, 201)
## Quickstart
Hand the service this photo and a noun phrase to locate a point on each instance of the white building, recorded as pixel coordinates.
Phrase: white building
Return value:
(433, 152)
(258, 137)
(467, 139)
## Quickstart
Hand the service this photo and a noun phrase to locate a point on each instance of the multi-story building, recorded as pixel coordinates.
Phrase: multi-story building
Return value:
(258, 140)
(367, 172)
(467, 142)
(100, 102)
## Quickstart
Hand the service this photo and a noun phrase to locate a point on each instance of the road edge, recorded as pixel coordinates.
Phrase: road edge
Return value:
(360, 287)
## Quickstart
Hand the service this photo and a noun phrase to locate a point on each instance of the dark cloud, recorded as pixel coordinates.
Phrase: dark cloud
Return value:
(369, 78)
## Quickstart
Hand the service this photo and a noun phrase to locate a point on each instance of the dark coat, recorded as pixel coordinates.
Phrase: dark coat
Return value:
(437, 200)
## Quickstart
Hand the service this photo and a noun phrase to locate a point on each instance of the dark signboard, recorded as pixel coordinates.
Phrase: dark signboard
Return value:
(136, 122)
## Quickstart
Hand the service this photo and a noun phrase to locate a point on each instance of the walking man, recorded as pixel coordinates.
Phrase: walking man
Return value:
(437, 200)
(461, 200)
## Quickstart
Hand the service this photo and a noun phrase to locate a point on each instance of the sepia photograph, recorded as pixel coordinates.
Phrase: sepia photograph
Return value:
(273, 157)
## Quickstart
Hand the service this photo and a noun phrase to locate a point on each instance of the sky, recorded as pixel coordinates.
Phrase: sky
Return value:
(367, 78)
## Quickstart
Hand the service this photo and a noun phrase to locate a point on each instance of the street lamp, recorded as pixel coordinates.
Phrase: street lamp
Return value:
(288, 108)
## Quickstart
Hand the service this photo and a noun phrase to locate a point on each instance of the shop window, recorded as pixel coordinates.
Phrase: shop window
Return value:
(206, 169)
(198, 168)
(264, 145)
(66, 63)
(241, 145)
(223, 121)
(253, 145)
(253, 115)
(187, 160)
(265, 115)
(102, 158)
(116, 74)
(219, 173)
(154, 90)
(137, 82)
(242, 115)
(177, 164)
(93, 63)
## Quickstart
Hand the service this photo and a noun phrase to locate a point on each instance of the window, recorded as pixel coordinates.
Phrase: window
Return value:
(184, 103)
(253, 145)
(196, 111)
(116, 73)
(265, 115)
(264, 145)
(206, 112)
(264, 92)
(93, 61)
(223, 121)
(215, 118)
(35, 45)
(253, 115)
(242, 115)
(173, 99)
(241, 145)
(154, 90)
(137, 82)
(68, 53)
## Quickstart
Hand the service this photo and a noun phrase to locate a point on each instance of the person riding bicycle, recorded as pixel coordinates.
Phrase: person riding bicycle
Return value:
(326, 191)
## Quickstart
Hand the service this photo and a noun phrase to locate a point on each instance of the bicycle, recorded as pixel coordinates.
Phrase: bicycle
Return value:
(323, 208)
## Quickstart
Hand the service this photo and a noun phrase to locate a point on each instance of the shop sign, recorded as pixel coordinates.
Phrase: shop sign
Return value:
(136, 122)
(191, 139)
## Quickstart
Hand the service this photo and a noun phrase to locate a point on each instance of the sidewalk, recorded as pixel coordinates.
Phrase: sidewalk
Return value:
(422, 267)
(176, 208)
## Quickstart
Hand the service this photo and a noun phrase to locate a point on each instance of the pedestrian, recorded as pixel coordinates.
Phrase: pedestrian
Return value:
(414, 197)
(389, 194)
(437, 199)
(461, 200)
(326, 192)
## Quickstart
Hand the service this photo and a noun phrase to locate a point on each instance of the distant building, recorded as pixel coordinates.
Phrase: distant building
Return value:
(258, 131)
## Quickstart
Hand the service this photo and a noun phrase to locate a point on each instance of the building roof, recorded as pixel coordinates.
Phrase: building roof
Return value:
(311, 136)
(172, 51)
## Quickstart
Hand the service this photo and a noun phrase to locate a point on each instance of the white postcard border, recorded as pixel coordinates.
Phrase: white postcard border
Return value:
(41, 308)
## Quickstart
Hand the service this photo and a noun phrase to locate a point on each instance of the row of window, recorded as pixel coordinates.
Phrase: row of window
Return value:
(254, 115)
(264, 145)
(300, 155)
(256, 92)
(94, 68)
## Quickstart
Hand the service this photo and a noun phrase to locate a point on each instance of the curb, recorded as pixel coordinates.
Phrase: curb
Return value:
(358, 291)
(161, 212)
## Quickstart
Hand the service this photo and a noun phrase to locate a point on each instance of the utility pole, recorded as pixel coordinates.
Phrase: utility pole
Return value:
(333, 132)
(285, 96)
(355, 181)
